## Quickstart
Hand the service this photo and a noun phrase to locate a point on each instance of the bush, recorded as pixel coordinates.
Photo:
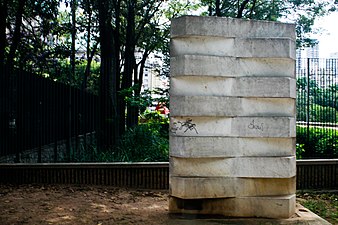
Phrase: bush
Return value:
(143, 143)
(319, 143)
(317, 113)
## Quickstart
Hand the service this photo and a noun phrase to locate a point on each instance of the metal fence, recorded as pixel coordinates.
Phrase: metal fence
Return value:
(311, 174)
(46, 121)
(43, 117)
(317, 108)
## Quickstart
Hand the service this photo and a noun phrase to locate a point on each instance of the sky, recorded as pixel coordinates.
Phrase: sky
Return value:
(328, 38)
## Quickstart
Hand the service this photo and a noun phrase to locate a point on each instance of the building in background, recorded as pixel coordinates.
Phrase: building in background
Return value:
(303, 55)
(334, 55)
(152, 80)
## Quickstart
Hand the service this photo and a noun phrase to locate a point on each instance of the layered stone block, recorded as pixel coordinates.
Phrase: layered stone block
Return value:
(195, 65)
(282, 87)
(231, 106)
(188, 26)
(218, 147)
(233, 47)
(259, 167)
(226, 187)
(268, 207)
(232, 125)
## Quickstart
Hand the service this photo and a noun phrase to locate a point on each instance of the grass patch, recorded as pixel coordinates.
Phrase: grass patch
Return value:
(324, 205)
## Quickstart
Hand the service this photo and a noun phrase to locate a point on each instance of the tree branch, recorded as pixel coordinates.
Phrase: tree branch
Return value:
(241, 8)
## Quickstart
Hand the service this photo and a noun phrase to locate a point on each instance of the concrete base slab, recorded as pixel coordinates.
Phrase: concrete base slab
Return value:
(302, 216)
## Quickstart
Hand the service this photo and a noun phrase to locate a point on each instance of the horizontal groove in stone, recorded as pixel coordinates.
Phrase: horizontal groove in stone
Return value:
(229, 27)
(201, 65)
(225, 187)
(204, 147)
(230, 106)
(258, 167)
(234, 47)
(233, 126)
(268, 87)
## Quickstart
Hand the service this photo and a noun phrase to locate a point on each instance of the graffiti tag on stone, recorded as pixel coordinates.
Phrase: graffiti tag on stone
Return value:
(256, 126)
(185, 126)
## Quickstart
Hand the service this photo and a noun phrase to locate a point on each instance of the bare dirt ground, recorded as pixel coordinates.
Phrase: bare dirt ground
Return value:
(70, 204)
(104, 205)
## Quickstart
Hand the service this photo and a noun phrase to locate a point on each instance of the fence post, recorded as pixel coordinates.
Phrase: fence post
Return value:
(68, 125)
(308, 101)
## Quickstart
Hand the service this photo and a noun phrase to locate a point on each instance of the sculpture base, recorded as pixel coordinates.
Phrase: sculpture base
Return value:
(302, 216)
(267, 207)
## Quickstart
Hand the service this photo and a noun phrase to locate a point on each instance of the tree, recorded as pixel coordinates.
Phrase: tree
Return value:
(108, 132)
(302, 12)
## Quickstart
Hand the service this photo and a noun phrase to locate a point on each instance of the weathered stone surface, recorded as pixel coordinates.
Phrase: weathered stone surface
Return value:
(204, 147)
(197, 65)
(230, 106)
(229, 27)
(259, 167)
(269, 207)
(233, 126)
(302, 216)
(236, 87)
(234, 47)
(224, 187)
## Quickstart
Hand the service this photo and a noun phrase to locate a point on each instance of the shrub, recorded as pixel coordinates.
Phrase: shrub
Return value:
(319, 143)
(317, 113)
(143, 143)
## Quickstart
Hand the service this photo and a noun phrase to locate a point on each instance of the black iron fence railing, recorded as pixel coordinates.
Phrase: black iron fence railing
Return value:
(311, 174)
(46, 121)
(317, 105)
(36, 112)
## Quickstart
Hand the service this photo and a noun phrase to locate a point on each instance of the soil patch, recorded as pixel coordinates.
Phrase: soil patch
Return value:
(70, 204)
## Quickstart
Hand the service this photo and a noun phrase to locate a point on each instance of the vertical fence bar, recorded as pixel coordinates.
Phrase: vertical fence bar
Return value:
(308, 101)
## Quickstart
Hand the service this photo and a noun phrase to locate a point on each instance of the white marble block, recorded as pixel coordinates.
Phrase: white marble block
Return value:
(275, 87)
(232, 117)
(231, 106)
(234, 47)
(233, 126)
(188, 26)
(268, 207)
(197, 65)
(259, 167)
(211, 147)
(225, 187)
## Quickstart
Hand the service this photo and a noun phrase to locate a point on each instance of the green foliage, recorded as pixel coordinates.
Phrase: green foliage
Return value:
(323, 204)
(321, 103)
(299, 151)
(319, 143)
(301, 12)
(317, 113)
(142, 100)
(143, 143)
(153, 117)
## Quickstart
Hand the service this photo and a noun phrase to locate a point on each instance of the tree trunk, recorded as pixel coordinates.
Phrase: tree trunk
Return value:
(3, 18)
(89, 62)
(117, 42)
(129, 55)
(108, 116)
(72, 56)
(17, 34)
(218, 9)
(241, 8)
(89, 55)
